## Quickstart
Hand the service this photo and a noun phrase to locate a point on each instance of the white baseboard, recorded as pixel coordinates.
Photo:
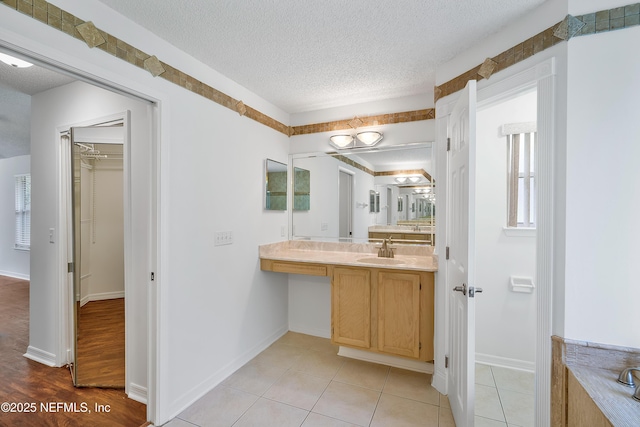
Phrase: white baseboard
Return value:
(101, 296)
(396, 362)
(137, 393)
(504, 362)
(41, 356)
(190, 397)
(14, 275)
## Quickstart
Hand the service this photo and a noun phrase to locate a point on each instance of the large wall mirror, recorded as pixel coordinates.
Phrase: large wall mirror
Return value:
(341, 206)
(275, 186)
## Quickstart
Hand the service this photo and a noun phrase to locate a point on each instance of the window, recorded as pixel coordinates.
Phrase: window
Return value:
(23, 212)
(521, 177)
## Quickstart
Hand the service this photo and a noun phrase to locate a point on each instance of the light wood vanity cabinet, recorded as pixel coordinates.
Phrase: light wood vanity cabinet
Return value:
(385, 311)
(351, 307)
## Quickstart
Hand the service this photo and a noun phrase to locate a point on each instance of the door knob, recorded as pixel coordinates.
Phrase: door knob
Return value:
(462, 289)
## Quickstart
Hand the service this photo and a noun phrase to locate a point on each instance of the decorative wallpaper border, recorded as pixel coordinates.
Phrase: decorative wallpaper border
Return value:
(592, 23)
(571, 26)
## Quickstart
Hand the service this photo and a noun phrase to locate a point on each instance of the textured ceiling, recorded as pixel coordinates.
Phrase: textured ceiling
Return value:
(16, 87)
(309, 55)
(299, 55)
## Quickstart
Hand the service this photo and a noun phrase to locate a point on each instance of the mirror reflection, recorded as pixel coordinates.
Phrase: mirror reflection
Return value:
(368, 195)
(275, 186)
(301, 189)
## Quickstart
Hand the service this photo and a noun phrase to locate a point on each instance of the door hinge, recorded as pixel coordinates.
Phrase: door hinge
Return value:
(153, 276)
(70, 267)
(446, 361)
(448, 144)
(420, 346)
(446, 253)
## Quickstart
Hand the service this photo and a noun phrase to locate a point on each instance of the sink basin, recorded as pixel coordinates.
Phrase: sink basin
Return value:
(382, 261)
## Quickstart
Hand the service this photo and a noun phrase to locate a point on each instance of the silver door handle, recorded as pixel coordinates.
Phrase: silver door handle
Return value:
(473, 291)
(462, 289)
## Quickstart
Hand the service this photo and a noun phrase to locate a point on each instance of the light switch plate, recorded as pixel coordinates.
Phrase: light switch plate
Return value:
(221, 238)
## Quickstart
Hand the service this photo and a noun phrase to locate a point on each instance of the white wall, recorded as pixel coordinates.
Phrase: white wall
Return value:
(13, 262)
(505, 320)
(216, 308)
(603, 183)
(107, 231)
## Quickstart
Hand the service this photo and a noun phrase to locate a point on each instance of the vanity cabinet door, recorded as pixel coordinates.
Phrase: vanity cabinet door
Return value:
(351, 307)
(399, 313)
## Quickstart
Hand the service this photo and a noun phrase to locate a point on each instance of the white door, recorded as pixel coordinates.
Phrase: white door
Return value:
(460, 267)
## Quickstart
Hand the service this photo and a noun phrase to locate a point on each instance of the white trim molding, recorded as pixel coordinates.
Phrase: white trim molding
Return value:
(41, 356)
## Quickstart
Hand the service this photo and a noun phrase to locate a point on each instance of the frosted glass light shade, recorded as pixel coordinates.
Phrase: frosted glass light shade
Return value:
(369, 137)
(341, 141)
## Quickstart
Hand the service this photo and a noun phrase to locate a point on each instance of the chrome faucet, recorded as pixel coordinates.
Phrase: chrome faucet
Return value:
(386, 251)
(626, 378)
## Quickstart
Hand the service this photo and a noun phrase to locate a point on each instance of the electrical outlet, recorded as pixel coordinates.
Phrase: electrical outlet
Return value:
(324, 226)
(282, 231)
(222, 238)
(52, 232)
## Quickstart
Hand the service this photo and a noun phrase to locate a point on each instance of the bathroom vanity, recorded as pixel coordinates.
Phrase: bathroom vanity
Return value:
(381, 305)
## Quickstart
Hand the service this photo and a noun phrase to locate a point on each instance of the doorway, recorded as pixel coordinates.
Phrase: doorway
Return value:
(506, 259)
(345, 204)
(97, 245)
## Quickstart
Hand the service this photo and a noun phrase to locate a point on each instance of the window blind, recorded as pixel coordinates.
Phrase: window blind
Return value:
(23, 212)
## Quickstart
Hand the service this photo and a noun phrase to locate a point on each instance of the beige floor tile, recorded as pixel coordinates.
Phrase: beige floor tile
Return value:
(518, 407)
(364, 374)
(282, 355)
(324, 344)
(411, 385)
(348, 403)
(221, 407)
(446, 418)
(488, 403)
(319, 363)
(254, 378)
(397, 411)
(297, 389)
(299, 340)
(177, 422)
(484, 375)
(486, 422)
(317, 420)
(444, 401)
(267, 413)
(514, 380)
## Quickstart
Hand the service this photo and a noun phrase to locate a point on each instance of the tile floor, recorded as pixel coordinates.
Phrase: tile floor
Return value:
(504, 397)
(301, 381)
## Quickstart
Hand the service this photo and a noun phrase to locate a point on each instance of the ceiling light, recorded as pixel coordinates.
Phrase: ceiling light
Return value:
(14, 62)
(414, 179)
(369, 137)
(366, 139)
(401, 179)
(341, 141)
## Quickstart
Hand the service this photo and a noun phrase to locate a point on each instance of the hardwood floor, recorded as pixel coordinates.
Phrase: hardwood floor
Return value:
(101, 322)
(44, 391)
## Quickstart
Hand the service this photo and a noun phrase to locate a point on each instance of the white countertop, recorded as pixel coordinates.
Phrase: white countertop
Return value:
(407, 257)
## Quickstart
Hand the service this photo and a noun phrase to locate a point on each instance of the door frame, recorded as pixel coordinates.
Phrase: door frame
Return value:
(541, 75)
(65, 230)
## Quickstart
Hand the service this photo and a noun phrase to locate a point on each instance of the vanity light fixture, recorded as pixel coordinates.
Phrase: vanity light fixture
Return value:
(366, 138)
(14, 62)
